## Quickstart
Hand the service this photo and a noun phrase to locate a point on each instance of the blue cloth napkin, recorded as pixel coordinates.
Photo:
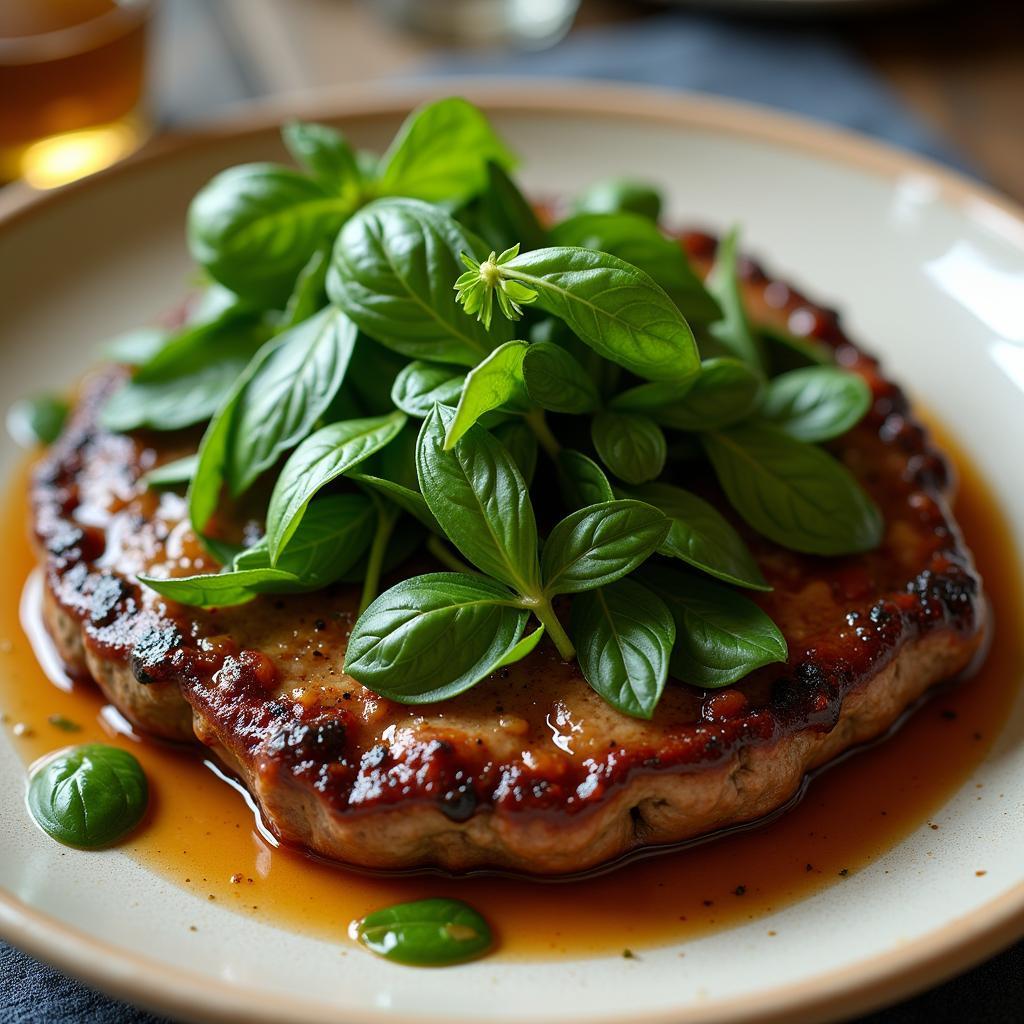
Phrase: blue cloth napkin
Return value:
(807, 71)
(804, 70)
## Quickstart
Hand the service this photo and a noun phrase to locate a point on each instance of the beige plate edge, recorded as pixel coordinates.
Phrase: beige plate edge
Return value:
(839, 994)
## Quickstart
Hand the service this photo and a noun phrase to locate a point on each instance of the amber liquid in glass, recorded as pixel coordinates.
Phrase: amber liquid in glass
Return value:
(72, 77)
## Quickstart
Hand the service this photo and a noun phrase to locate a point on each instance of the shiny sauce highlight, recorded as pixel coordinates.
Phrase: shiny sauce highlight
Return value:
(201, 833)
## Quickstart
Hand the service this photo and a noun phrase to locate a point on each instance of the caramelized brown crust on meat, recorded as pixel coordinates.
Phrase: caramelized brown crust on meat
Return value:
(530, 770)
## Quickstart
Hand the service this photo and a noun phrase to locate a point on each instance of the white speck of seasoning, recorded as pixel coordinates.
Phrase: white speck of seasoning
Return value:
(22, 729)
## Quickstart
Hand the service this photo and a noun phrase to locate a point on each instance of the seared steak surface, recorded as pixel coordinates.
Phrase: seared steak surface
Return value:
(531, 770)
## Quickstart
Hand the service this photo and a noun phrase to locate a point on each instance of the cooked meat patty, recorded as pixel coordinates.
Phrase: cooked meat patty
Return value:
(531, 770)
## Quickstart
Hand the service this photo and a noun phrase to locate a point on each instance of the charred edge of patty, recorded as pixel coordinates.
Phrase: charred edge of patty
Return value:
(309, 745)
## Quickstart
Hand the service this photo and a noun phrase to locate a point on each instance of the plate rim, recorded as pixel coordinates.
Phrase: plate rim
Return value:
(852, 989)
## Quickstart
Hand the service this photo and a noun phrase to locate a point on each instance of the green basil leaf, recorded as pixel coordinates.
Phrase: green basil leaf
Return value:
(504, 216)
(420, 385)
(441, 153)
(620, 195)
(793, 493)
(816, 403)
(624, 636)
(701, 536)
(173, 474)
(392, 272)
(405, 498)
(324, 154)
(734, 329)
(521, 443)
(582, 480)
(37, 420)
(309, 293)
(332, 537)
(322, 457)
(639, 241)
(787, 351)
(133, 348)
(612, 306)
(431, 637)
(371, 376)
(556, 381)
(183, 399)
(479, 497)
(88, 796)
(721, 636)
(490, 385)
(630, 445)
(254, 227)
(523, 649)
(599, 544)
(426, 933)
(287, 394)
(726, 392)
(221, 590)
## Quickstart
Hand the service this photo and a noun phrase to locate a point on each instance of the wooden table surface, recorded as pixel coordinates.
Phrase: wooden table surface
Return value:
(958, 63)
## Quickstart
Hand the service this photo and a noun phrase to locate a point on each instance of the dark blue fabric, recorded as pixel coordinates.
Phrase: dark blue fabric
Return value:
(806, 71)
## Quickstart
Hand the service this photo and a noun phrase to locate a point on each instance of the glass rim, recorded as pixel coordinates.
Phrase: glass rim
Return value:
(71, 40)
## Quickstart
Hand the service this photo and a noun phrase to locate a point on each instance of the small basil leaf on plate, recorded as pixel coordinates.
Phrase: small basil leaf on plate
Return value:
(405, 498)
(37, 420)
(287, 394)
(478, 495)
(521, 443)
(88, 796)
(639, 241)
(624, 636)
(734, 330)
(324, 154)
(630, 445)
(332, 537)
(816, 403)
(426, 933)
(223, 589)
(431, 637)
(494, 382)
(793, 493)
(612, 306)
(322, 457)
(392, 272)
(701, 536)
(420, 385)
(441, 152)
(721, 636)
(556, 381)
(254, 227)
(620, 195)
(504, 216)
(725, 392)
(599, 544)
(178, 473)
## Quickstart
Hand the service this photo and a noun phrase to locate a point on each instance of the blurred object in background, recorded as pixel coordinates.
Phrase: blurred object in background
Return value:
(530, 24)
(72, 86)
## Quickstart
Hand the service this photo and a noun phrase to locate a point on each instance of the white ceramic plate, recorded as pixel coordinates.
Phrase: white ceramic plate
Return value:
(929, 271)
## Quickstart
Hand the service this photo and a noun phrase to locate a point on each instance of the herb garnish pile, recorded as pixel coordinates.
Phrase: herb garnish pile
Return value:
(390, 341)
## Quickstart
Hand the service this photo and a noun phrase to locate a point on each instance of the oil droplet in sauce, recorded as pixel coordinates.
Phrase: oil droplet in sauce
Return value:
(200, 831)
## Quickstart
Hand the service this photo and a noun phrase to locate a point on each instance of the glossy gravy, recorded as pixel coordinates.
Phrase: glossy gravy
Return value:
(201, 834)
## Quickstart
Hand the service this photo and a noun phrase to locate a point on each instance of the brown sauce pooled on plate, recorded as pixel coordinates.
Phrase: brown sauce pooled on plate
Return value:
(200, 834)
